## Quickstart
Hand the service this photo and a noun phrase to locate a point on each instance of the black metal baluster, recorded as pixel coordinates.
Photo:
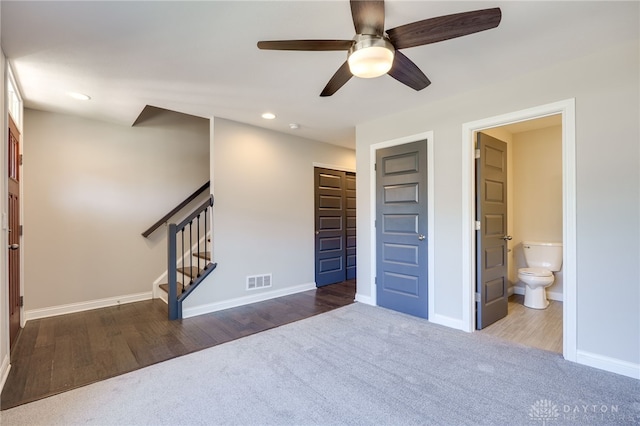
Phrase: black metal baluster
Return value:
(191, 250)
(206, 246)
(198, 243)
(182, 254)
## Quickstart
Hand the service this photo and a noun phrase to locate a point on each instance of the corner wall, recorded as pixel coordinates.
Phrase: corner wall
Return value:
(90, 189)
(263, 222)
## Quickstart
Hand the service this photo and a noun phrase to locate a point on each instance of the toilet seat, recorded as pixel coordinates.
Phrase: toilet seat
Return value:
(535, 272)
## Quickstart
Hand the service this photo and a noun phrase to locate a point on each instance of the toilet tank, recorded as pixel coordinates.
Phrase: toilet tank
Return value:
(543, 255)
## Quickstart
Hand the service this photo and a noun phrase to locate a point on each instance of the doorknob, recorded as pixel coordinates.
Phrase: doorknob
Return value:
(421, 237)
(507, 238)
(14, 246)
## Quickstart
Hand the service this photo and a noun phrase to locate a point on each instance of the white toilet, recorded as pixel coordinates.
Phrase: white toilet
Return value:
(543, 259)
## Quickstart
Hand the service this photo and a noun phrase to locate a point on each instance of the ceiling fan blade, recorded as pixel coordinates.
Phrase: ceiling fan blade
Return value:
(312, 45)
(406, 72)
(338, 80)
(444, 27)
(368, 17)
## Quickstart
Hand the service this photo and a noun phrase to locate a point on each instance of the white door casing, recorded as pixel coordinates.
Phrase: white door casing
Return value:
(567, 109)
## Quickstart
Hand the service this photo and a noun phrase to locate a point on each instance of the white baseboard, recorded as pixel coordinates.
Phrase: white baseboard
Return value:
(245, 300)
(434, 318)
(367, 300)
(162, 295)
(5, 366)
(85, 306)
(447, 321)
(612, 365)
(554, 296)
(550, 294)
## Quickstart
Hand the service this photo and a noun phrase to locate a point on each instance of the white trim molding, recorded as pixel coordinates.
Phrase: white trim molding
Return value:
(612, 365)
(86, 306)
(334, 167)
(5, 367)
(567, 109)
(446, 321)
(245, 300)
(367, 300)
(430, 213)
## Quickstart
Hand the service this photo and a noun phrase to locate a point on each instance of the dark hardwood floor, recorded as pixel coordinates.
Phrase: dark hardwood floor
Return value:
(56, 354)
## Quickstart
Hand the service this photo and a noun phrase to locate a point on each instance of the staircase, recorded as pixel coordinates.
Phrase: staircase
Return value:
(188, 255)
(188, 273)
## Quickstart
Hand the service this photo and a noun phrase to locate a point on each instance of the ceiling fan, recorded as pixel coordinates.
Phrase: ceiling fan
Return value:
(374, 52)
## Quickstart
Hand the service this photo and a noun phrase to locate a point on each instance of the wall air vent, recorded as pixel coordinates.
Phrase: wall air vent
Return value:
(255, 282)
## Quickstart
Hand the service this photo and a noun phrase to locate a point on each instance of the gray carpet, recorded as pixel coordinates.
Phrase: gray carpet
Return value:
(354, 365)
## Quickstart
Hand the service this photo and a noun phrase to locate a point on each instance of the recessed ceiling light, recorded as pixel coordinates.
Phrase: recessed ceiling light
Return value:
(294, 126)
(79, 96)
(268, 116)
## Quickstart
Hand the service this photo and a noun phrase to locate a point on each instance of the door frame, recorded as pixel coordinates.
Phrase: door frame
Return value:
(19, 122)
(567, 110)
(315, 251)
(330, 167)
(430, 213)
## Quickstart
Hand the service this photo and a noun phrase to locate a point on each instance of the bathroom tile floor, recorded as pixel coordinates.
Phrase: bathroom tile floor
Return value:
(540, 328)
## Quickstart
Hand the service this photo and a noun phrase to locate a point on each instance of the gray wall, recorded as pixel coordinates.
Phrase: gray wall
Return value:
(90, 189)
(264, 211)
(606, 89)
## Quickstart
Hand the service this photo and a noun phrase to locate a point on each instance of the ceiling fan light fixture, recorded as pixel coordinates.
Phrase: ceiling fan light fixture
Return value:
(370, 56)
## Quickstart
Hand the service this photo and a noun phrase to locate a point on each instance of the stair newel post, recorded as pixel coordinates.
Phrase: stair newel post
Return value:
(172, 272)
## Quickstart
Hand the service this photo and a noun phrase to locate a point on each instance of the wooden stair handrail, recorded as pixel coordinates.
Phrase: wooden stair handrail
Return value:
(179, 207)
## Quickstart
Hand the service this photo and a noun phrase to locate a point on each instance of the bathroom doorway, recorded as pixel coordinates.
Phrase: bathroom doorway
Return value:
(533, 210)
(565, 112)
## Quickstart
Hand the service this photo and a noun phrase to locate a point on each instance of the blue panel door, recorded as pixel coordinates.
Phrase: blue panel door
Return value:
(401, 228)
(491, 238)
(335, 226)
(350, 212)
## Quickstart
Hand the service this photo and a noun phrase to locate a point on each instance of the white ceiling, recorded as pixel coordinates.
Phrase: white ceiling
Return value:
(201, 58)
